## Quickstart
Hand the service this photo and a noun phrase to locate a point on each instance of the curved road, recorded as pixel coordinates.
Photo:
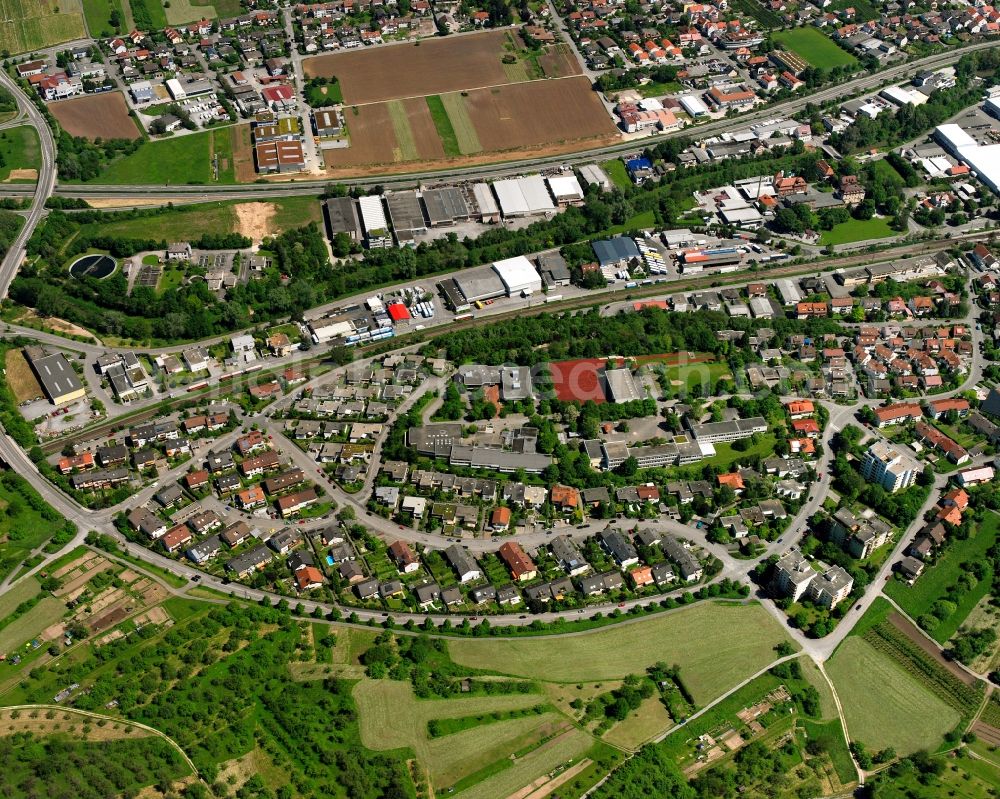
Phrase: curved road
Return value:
(43, 188)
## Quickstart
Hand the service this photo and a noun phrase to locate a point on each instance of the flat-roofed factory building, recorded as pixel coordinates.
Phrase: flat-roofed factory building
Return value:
(445, 206)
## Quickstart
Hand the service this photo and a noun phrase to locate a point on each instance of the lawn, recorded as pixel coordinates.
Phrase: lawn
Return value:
(178, 161)
(934, 583)
(19, 150)
(649, 720)
(20, 631)
(725, 455)
(883, 705)
(617, 172)
(442, 122)
(856, 229)
(734, 641)
(170, 279)
(654, 89)
(391, 717)
(22, 591)
(815, 47)
(644, 220)
(98, 16)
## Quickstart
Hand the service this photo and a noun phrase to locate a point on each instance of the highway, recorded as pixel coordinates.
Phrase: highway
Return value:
(43, 188)
(297, 185)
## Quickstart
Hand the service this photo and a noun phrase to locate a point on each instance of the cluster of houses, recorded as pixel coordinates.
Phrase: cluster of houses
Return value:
(346, 24)
(566, 573)
(906, 358)
(113, 463)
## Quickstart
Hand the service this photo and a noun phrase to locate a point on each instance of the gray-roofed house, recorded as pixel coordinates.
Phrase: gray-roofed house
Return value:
(463, 563)
(619, 548)
(427, 595)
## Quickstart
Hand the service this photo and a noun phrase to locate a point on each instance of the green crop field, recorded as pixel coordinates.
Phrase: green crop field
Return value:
(404, 133)
(932, 586)
(29, 25)
(98, 16)
(461, 123)
(733, 642)
(442, 122)
(883, 705)
(814, 46)
(569, 747)
(392, 717)
(857, 230)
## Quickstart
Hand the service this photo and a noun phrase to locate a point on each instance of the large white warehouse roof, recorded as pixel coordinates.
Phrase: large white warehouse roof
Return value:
(372, 213)
(518, 274)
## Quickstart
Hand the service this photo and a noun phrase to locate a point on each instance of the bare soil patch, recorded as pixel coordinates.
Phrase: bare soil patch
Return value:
(22, 174)
(373, 140)
(60, 325)
(409, 70)
(559, 62)
(253, 220)
(907, 627)
(538, 113)
(991, 735)
(97, 116)
(422, 124)
(123, 202)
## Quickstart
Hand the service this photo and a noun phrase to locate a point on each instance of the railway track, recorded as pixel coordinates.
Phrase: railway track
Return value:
(592, 300)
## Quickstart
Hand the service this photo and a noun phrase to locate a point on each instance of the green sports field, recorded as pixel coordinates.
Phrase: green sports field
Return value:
(716, 645)
(883, 705)
(815, 47)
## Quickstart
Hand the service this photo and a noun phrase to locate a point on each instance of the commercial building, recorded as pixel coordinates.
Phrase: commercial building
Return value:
(56, 376)
(374, 222)
(693, 105)
(523, 196)
(341, 216)
(618, 251)
(518, 276)
(566, 190)
(890, 466)
(983, 160)
(486, 204)
(406, 215)
(280, 157)
(445, 206)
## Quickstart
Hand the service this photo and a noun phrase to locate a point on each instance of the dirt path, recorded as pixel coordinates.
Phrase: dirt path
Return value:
(904, 625)
(253, 220)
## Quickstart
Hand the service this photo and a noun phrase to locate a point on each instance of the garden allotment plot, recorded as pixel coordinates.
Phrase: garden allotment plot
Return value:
(461, 98)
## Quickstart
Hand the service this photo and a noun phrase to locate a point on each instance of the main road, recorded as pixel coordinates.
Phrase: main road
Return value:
(209, 192)
(43, 188)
